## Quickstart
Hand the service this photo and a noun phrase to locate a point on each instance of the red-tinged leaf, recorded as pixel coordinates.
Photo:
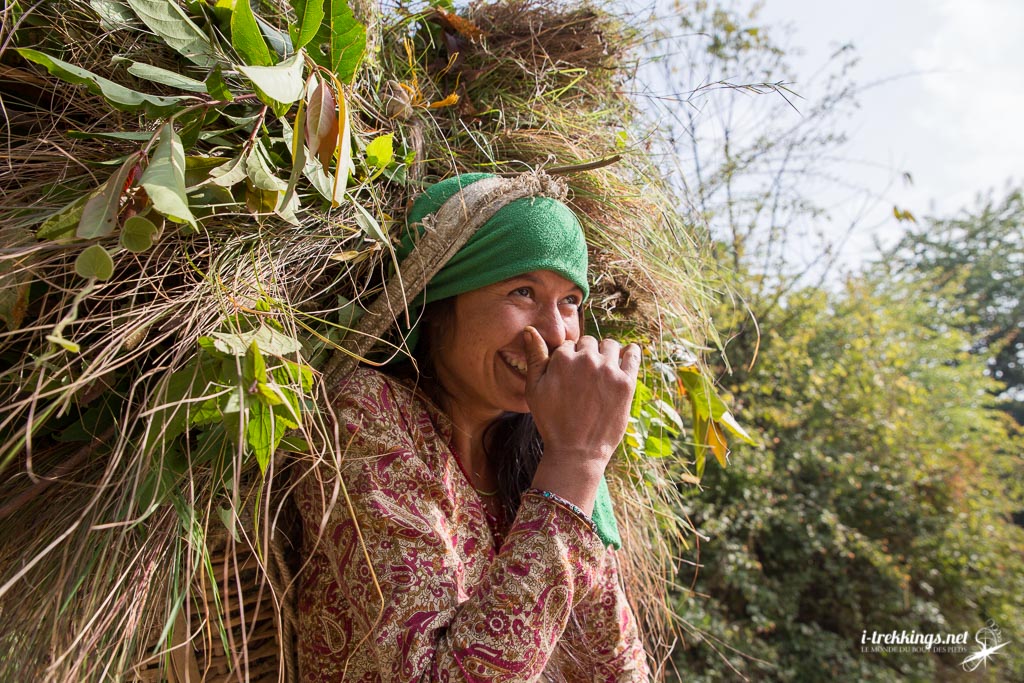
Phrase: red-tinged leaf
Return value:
(322, 123)
(99, 216)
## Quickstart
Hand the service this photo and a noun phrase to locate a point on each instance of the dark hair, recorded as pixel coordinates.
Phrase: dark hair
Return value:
(512, 443)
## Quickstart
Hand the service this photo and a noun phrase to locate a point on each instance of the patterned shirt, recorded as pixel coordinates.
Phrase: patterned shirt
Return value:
(442, 603)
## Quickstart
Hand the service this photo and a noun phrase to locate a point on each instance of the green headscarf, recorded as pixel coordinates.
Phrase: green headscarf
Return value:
(527, 234)
(538, 233)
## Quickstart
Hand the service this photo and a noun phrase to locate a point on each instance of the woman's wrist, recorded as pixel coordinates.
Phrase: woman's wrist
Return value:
(562, 502)
(575, 481)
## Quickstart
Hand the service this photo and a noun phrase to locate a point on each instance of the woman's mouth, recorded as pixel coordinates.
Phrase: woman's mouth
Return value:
(517, 363)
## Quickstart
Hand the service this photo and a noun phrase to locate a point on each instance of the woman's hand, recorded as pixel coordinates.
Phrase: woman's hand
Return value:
(579, 396)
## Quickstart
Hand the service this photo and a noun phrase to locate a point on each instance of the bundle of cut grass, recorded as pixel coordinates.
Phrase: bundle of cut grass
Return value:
(198, 204)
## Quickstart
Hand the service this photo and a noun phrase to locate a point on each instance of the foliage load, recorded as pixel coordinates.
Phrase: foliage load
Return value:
(200, 201)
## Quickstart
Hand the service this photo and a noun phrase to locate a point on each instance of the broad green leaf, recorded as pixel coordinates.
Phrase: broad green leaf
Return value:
(113, 15)
(15, 276)
(210, 199)
(269, 340)
(380, 152)
(166, 19)
(730, 422)
(166, 77)
(118, 96)
(198, 169)
(192, 124)
(258, 169)
(216, 86)
(164, 178)
(282, 83)
(137, 234)
(64, 222)
(231, 173)
(254, 368)
(261, 202)
(99, 216)
(348, 41)
(94, 262)
(246, 37)
(323, 181)
(369, 224)
(261, 433)
(311, 16)
(279, 41)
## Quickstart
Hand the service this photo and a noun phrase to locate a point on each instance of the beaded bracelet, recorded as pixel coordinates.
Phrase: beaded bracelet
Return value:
(571, 507)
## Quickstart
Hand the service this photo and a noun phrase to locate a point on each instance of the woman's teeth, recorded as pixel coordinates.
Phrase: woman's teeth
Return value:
(518, 363)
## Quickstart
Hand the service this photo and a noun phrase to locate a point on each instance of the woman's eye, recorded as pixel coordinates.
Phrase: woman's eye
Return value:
(572, 300)
(522, 291)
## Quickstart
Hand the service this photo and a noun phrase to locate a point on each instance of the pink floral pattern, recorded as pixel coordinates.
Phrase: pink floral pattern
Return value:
(442, 604)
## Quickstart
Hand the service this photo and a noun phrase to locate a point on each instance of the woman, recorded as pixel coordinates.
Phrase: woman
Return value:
(469, 486)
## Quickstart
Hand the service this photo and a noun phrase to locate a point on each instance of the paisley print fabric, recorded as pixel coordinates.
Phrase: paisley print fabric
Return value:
(441, 602)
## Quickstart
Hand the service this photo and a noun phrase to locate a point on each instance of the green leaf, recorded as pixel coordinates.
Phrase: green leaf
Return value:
(64, 222)
(137, 234)
(282, 83)
(166, 19)
(258, 169)
(118, 96)
(254, 368)
(164, 178)
(166, 77)
(369, 224)
(99, 215)
(348, 41)
(279, 41)
(270, 340)
(216, 86)
(199, 168)
(311, 16)
(262, 434)
(94, 262)
(231, 173)
(113, 15)
(246, 37)
(380, 152)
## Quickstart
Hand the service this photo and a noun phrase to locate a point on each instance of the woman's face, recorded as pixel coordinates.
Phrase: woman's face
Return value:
(481, 359)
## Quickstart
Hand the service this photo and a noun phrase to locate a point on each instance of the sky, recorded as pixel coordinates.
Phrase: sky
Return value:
(949, 104)
(945, 104)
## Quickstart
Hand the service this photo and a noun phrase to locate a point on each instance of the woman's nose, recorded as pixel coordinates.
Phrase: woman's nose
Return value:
(552, 327)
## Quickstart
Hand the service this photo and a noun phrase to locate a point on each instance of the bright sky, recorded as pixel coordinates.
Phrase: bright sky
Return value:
(949, 105)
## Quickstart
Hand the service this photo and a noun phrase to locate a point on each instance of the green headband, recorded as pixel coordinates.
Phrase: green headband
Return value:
(537, 233)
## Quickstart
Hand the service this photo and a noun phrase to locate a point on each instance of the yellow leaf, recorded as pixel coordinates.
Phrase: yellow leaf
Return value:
(446, 102)
(717, 443)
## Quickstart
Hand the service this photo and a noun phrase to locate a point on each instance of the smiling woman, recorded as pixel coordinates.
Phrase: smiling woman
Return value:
(478, 541)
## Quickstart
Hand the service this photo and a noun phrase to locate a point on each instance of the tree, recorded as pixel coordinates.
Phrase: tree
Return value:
(982, 251)
(876, 502)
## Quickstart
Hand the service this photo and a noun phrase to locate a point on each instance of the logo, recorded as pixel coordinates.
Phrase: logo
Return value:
(990, 642)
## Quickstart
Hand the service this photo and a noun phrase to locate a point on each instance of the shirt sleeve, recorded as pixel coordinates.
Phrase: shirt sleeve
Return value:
(607, 636)
(413, 618)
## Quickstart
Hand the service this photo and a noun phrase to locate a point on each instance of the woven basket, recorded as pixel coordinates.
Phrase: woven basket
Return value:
(253, 640)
